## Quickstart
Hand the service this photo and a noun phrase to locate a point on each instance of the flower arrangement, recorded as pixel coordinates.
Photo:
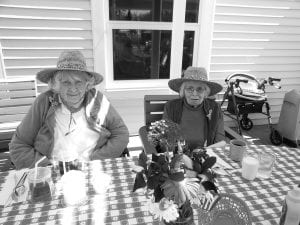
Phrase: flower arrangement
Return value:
(177, 183)
(164, 134)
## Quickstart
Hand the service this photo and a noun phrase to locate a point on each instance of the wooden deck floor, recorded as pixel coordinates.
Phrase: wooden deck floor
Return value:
(260, 135)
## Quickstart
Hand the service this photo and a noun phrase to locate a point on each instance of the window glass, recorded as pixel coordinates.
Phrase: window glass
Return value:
(188, 49)
(191, 11)
(141, 10)
(141, 54)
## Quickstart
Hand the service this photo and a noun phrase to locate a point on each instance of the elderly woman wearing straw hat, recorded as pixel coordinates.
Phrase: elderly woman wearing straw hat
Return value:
(199, 117)
(70, 120)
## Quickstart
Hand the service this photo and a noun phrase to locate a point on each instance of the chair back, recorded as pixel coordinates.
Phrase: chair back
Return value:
(16, 97)
(154, 106)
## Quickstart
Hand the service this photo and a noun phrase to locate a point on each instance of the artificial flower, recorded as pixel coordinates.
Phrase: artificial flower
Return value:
(163, 210)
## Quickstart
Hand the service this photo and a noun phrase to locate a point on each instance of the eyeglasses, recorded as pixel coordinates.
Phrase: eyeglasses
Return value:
(191, 90)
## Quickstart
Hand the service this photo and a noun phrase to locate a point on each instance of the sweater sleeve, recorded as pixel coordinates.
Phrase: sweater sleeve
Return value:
(21, 147)
(220, 133)
(117, 137)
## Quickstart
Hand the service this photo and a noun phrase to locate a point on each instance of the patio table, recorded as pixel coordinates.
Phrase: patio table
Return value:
(120, 206)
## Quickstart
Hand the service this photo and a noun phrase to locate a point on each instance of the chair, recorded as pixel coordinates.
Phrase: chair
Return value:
(153, 111)
(16, 97)
(228, 210)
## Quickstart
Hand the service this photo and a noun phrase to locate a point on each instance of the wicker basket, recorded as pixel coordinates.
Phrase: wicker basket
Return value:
(228, 210)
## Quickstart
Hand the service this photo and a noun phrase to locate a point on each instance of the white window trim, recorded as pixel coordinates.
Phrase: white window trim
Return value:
(102, 45)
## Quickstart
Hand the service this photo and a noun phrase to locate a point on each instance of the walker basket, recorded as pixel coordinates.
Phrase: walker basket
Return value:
(245, 106)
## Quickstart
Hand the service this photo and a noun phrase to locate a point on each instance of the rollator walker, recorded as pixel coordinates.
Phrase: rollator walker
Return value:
(245, 95)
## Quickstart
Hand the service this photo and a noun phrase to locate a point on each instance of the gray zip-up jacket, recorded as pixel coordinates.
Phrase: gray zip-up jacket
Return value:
(214, 117)
(34, 137)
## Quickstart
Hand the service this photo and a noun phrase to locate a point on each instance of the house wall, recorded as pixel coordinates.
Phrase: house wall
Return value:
(260, 37)
(33, 33)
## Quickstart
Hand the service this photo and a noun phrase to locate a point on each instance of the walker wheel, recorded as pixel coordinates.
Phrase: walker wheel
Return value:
(275, 137)
(246, 123)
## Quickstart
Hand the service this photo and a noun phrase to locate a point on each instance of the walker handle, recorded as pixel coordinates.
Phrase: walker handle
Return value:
(274, 82)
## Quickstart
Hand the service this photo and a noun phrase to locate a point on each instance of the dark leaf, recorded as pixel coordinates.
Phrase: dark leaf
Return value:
(154, 157)
(208, 185)
(210, 174)
(153, 181)
(154, 169)
(162, 159)
(186, 210)
(179, 176)
(158, 194)
(139, 181)
(197, 167)
(143, 160)
(208, 163)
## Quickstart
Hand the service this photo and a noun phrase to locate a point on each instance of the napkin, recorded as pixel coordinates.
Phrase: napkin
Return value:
(6, 188)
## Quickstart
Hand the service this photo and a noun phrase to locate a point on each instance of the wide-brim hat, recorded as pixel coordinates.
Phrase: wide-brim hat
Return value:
(197, 74)
(68, 60)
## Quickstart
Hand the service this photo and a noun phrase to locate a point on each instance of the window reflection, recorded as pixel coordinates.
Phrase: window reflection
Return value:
(141, 10)
(188, 48)
(191, 11)
(141, 54)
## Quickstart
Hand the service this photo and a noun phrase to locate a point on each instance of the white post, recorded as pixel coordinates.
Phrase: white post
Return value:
(2, 67)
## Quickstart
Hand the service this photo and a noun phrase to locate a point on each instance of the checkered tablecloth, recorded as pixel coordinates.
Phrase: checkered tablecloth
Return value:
(264, 197)
(120, 206)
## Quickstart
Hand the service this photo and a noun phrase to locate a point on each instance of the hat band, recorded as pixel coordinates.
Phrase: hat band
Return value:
(71, 66)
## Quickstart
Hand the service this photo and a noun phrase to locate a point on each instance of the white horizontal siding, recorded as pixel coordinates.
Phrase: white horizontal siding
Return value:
(33, 33)
(258, 37)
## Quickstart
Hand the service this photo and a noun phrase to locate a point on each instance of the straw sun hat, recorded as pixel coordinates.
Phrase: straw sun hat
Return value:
(197, 74)
(68, 60)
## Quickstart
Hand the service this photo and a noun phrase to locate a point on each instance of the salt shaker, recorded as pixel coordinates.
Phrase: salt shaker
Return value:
(291, 208)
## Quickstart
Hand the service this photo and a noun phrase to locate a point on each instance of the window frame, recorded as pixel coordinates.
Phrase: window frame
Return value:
(103, 44)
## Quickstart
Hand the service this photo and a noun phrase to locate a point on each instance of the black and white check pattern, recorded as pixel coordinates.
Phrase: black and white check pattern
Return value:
(120, 206)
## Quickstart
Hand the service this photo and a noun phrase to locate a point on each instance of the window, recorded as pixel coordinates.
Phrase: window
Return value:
(141, 54)
(141, 10)
(150, 41)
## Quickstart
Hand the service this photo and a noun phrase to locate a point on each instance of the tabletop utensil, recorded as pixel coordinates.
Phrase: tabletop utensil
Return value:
(17, 191)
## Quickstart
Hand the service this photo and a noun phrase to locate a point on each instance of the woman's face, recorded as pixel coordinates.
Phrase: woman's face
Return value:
(195, 92)
(72, 88)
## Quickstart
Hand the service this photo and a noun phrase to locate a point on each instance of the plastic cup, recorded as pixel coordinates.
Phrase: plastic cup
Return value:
(237, 149)
(40, 184)
(266, 164)
(250, 166)
(73, 187)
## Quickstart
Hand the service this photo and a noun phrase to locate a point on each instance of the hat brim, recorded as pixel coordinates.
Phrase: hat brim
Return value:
(214, 87)
(46, 74)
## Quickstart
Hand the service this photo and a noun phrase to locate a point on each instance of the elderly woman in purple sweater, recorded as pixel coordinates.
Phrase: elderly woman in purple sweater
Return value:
(70, 121)
(200, 118)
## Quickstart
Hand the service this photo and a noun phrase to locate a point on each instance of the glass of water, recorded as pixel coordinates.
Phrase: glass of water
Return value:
(266, 164)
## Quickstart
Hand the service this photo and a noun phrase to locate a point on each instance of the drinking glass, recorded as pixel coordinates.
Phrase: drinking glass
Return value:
(266, 164)
(74, 187)
(40, 184)
(250, 166)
